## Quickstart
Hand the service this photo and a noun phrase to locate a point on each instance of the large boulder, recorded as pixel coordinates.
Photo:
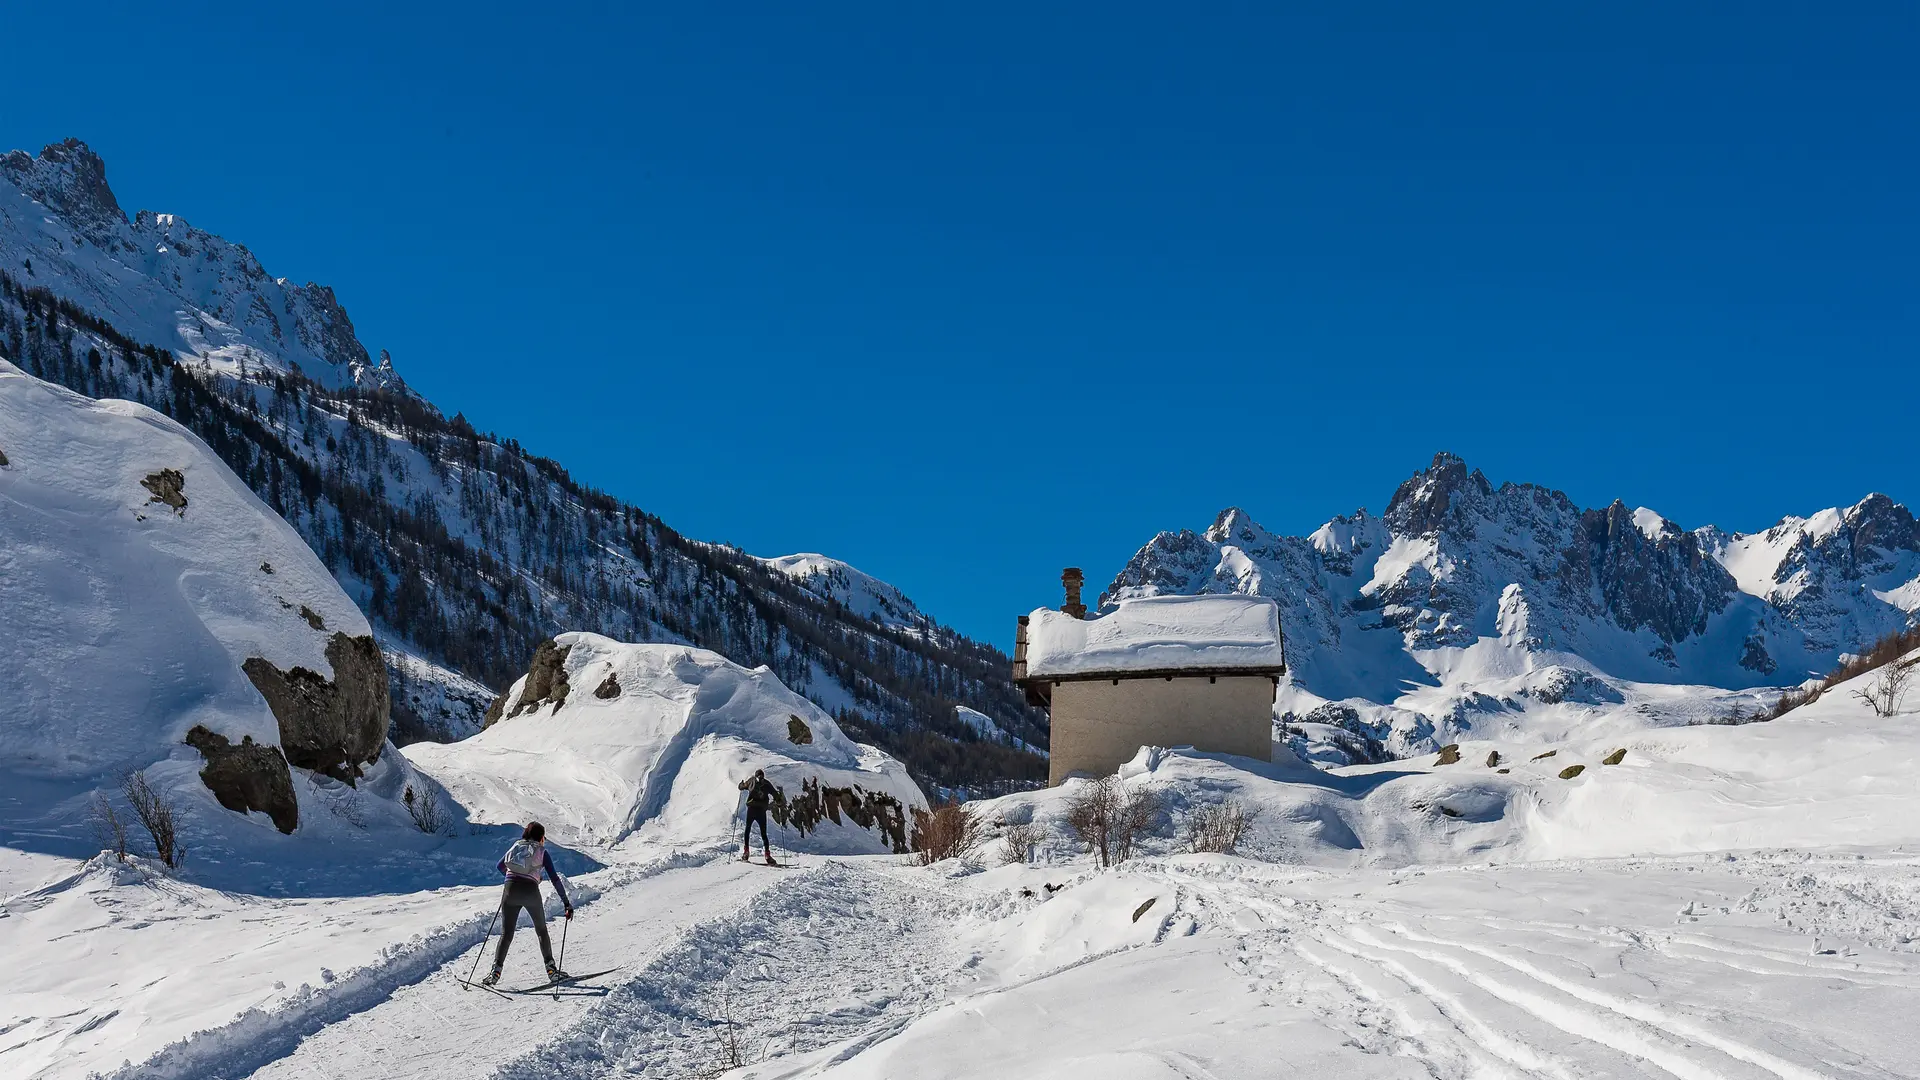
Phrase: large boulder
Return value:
(247, 777)
(331, 726)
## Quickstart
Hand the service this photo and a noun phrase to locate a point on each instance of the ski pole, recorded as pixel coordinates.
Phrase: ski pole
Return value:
(562, 965)
(483, 945)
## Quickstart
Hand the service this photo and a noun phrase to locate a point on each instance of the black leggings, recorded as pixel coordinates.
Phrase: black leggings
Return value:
(746, 836)
(522, 894)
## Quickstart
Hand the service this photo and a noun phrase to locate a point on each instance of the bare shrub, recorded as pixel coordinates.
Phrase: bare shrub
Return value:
(1219, 827)
(1108, 816)
(109, 826)
(1881, 654)
(1883, 695)
(1090, 814)
(427, 813)
(158, 814)
(948, 831)
(729, 1051)
(1139, 808)
(1017, 840)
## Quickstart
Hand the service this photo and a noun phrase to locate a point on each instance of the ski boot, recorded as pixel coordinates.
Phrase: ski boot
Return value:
(492, 977)
(747, 855)
(554, 974)
(770, 861)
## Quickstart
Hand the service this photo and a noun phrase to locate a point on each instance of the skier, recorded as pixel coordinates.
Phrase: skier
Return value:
(760, 793)
(523, 864)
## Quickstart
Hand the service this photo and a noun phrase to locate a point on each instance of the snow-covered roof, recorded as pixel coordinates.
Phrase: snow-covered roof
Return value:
(1158, 633)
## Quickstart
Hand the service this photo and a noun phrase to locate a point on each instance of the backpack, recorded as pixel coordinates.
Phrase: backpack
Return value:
(523, 860)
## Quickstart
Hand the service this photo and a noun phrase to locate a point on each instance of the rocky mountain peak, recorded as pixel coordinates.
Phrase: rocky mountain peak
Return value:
(1423, 503)
(71, 180)
(1236, 526)
(1878, 521)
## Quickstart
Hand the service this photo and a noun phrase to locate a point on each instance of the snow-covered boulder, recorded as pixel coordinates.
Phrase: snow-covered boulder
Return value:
(158, 616)
(603, 740)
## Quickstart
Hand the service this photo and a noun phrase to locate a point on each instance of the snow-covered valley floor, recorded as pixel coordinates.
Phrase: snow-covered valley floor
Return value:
(1786, 964)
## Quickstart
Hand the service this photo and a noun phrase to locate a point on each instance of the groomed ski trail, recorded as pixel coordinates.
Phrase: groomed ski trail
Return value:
(436, 1028)
(837, 952)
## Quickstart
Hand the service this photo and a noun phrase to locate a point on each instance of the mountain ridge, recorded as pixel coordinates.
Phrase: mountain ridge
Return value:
(465, 550)
(1464, 594)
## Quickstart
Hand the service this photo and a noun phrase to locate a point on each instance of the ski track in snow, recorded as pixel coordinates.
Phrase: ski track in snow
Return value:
(1778, 965)
(333, 1024)
(1473, 995)
(828, 955)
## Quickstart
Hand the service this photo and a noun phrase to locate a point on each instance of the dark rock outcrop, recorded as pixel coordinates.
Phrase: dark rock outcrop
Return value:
(1449, 754)
(247, 777)
(874, 810)
(167, 486)
(1572, 771)
(798, 733)
(546, 678)
(330, 727)
(608, 689)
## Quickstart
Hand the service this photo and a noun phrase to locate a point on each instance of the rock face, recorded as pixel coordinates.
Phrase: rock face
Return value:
(546, 678)
(335, 726)
(167, 486)
(815, 803)
(247, 777)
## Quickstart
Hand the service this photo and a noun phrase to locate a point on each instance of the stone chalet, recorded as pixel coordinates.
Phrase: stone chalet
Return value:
(1199, 671)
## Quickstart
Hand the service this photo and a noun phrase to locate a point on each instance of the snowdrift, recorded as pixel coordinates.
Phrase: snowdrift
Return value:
(1828, 774)
(602, 740)
(148, 601)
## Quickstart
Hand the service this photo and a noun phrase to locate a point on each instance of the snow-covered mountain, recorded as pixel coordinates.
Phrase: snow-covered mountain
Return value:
(1467, 606)
(162, 281)
(464, 550)
(861, 593)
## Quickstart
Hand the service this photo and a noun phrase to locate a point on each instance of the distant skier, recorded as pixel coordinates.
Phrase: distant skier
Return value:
(523, 864)
(760, 792)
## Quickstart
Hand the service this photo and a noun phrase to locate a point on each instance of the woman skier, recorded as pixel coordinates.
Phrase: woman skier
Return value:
(523, 864)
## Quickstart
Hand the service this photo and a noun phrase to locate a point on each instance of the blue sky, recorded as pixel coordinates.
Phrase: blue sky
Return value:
(965, 296)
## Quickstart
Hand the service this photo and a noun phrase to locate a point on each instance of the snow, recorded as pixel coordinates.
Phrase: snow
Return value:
(127, 624)
(1727, 901)
(1650, 524)
(1220, 632)
(662, 757)
(861, 593)
(984, 725)
(159, 279)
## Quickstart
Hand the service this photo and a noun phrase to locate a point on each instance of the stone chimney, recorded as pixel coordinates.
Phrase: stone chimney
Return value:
(1073, 579)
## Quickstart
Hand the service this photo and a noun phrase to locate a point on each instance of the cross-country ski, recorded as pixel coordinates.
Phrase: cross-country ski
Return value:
(568, 980)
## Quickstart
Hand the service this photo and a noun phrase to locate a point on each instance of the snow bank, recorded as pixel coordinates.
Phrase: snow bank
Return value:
(137, 575)
(1158, 633)
(653, 739)
(1827, 774)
